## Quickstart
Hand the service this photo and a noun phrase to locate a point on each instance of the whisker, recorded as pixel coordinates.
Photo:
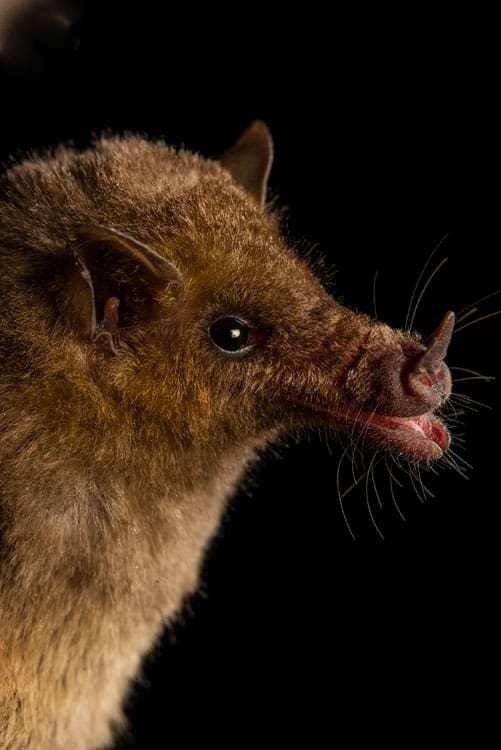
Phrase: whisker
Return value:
(467, 400)
(461, 459)
(425, 489)
(413, 477)
(358, 442)
(351, 447)
(477, 302)
(354, 484)
(458, 419)
(472, 409)
(341, 496)
(475, 377)
(458, 469)
(369, 509)
(473, 372)
(355, 440)
(467, 314)
(392, 493)
(398, 465)
(453, 413)
(477, 320)
(450, 460)
(416, 286)
(378, 496)
(418, 301)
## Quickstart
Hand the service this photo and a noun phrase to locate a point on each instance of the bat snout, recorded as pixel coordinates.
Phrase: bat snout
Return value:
(417, 383)
(427, 378)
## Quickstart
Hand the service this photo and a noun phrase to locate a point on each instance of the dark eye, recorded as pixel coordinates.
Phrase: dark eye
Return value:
(230, 334)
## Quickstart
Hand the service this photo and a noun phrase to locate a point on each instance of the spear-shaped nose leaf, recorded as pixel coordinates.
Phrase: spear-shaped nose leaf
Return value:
(427, 373)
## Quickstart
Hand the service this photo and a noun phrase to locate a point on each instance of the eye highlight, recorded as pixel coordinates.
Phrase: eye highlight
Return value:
(230, 334)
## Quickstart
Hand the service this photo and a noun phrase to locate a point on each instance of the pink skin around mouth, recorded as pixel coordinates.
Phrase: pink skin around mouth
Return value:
(423, 437)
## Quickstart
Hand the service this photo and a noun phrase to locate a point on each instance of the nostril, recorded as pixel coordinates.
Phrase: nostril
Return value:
(430, 385)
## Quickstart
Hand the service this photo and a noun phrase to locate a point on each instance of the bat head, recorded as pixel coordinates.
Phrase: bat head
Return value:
(167, 285)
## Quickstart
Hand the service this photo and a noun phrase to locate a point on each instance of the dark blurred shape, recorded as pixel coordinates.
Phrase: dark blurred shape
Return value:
(35, 34)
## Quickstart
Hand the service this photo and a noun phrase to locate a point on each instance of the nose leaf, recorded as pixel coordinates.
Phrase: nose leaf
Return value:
(427, 377)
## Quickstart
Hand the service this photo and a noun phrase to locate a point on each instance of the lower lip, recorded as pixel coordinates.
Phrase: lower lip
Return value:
(423, 437)
(426, 426)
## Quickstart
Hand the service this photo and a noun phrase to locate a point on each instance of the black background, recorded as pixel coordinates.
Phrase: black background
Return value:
(386, 135)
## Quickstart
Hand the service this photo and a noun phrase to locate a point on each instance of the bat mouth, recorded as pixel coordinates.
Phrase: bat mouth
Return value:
(423, 437)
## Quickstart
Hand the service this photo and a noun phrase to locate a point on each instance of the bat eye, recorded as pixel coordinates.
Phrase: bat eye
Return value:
(230, 334)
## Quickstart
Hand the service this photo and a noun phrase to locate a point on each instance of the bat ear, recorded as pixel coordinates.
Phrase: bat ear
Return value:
(115, 282)
(249, 160)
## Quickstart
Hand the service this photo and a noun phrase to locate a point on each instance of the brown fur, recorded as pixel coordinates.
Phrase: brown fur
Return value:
(115, 466)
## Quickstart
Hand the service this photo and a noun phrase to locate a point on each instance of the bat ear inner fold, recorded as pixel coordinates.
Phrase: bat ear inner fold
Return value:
(116, 282)
(107, 332)
(159, 268)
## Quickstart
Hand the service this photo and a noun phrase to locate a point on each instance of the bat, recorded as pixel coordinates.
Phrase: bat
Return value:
(156, 333)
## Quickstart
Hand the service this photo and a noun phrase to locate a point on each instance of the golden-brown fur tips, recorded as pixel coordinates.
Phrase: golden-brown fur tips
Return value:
(156, 333)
